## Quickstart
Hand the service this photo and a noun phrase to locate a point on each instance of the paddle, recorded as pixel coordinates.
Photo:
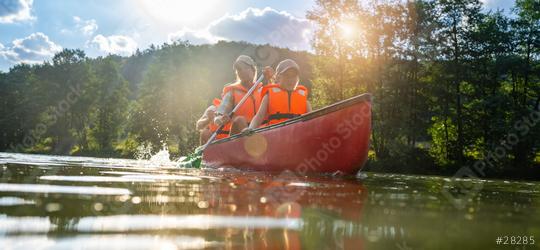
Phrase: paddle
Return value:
(194, 159)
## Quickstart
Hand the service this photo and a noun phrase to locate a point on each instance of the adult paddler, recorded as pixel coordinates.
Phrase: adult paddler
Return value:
(246, 72)
(282, 101)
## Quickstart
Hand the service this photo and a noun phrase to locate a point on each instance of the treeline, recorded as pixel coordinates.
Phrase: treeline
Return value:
(454, 85)
(119, 106)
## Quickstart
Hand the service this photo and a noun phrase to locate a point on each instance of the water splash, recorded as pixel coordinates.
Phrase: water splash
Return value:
(160, 159)
(144, 151)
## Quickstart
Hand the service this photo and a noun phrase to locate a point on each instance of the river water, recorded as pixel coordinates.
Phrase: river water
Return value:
(58, 202)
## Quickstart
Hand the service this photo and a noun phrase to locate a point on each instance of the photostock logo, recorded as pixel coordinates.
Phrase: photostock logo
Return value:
(35, 135)
(284, 188)
(55, 114)
(465, 184)
(460, 192)
(292, 188)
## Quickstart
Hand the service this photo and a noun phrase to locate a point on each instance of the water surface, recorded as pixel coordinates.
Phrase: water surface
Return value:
(57, 202)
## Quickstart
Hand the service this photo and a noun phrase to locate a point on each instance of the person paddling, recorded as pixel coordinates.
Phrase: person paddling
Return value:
(246, 72)
(206, 126)
(282, 101)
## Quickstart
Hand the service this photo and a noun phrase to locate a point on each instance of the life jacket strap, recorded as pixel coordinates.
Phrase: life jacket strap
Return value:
(223, 132)
(279, 116)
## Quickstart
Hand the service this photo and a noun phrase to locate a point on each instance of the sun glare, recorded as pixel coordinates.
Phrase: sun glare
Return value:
(347, 30)
(177, 11)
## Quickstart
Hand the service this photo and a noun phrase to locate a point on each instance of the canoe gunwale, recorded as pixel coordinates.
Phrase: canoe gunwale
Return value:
(305, 117)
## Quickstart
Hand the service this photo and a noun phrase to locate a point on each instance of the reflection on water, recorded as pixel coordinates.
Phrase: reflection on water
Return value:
(14, 201)
(134, 223)
(108, 242)
(52, 202)
(47, 189)
(87, 178)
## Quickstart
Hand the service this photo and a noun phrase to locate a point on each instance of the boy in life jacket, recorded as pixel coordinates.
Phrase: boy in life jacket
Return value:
(282, 101)
(206, 126)
(246, 72)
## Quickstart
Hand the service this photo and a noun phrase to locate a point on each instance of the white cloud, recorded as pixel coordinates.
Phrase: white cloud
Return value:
(260, 26)
(116, 44)
(87, 27)
(34, 48)
(15, 10)
(194, 37)
(264, 26)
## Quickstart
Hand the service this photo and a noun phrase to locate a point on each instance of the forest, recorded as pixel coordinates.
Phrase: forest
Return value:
(452, 84)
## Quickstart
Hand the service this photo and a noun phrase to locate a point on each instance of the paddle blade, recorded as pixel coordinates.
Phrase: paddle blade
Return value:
(192, 160)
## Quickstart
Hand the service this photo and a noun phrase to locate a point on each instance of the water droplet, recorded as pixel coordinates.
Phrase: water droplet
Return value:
(53, 207)
(136, 200)
(123, 198)
(202, 204)
(338, 174)
(98, 206)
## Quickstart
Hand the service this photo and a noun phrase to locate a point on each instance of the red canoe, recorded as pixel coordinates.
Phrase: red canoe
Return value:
(334, 138)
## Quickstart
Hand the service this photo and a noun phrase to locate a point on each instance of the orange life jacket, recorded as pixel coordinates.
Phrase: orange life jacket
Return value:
(213, 127)
(250, 106)
(284, 104)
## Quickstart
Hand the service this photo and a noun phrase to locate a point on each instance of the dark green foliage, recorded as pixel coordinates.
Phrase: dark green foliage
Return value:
(448, 79)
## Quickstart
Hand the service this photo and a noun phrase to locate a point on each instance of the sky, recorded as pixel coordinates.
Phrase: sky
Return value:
(32, 31)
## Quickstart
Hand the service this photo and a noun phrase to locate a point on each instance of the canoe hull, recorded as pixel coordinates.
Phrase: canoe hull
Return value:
(331, 139)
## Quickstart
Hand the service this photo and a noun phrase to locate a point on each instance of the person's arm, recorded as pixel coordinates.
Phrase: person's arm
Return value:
(202, 122)
(205, 119)
(224, 109)
(309, 109)
(261, 114)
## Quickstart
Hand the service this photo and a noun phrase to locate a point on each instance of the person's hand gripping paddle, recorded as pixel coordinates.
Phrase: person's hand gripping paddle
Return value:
(194, 160)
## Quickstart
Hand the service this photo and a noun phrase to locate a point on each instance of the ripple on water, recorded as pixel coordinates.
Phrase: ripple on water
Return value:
(119, 172)
(14, 201)
(108, 242)
(163, 177)
(44, 188)
(125, 223)
(86, 178)
(135, 223)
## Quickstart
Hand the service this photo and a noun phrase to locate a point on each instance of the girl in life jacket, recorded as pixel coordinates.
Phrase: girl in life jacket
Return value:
(246, 72)
(206, 126)
(282, 101)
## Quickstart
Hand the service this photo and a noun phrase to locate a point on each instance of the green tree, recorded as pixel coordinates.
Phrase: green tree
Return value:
(110, 106)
